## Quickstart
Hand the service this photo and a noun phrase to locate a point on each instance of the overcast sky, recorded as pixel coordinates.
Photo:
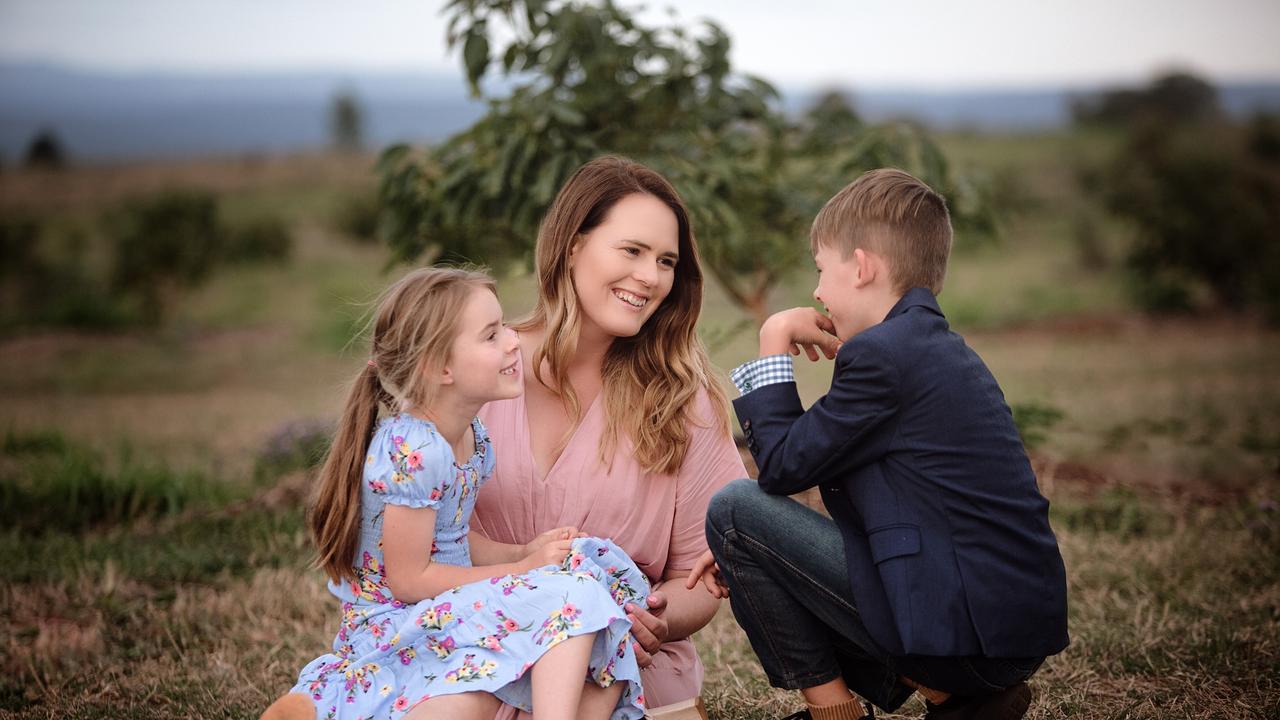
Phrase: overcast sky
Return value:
(867, 43)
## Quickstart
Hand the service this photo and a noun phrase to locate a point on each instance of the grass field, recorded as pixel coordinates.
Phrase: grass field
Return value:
(157, 563)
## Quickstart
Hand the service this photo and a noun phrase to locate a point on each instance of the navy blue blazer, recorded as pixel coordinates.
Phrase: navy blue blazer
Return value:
(919, 462)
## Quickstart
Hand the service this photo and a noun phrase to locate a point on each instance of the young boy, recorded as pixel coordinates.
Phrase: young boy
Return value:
(937, 570)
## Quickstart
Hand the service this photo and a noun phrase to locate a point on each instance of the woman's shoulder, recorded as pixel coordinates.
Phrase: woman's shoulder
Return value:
(708, 412)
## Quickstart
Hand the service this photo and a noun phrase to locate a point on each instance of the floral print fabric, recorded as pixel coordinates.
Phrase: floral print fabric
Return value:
(389, 656)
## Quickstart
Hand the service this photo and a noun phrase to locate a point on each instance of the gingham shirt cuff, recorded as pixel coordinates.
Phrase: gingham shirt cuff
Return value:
(763, 371)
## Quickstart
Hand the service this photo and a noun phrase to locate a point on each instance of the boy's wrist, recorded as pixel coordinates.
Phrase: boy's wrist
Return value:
(775, 338)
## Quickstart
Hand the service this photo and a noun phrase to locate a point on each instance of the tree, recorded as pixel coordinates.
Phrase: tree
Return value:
(1171, 99)
(588, 80)
(45, 151)
(345, 122)
(1205, 202)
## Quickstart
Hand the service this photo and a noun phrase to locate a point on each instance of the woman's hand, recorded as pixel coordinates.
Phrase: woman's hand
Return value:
(708, 571)
(568, 532)
(648, 627)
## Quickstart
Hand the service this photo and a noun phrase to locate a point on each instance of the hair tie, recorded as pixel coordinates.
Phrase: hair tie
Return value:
(373, 364)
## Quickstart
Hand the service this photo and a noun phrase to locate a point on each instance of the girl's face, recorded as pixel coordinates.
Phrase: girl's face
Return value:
(484, 364)
(624, 268)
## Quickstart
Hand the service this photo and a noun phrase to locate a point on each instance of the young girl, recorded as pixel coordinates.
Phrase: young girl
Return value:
(437, 620)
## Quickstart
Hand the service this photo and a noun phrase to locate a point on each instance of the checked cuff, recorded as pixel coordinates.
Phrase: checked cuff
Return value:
(763, 371)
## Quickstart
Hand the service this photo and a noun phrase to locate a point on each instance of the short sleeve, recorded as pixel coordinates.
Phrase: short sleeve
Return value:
(712, 462)
(415, 466)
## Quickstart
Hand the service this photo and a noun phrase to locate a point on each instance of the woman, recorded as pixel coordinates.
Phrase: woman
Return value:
(622, 431)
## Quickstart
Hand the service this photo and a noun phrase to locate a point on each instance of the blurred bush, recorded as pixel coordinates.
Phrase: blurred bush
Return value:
(164, 245)
(263, 239)
(155, 249)
(297, 445)
(1205, 202)
(1201, 192)
(358, 217)
(39, 288)
(1034, 421)
(48, 483)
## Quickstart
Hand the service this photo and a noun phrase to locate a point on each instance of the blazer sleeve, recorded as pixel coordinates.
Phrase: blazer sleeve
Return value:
(852, 425)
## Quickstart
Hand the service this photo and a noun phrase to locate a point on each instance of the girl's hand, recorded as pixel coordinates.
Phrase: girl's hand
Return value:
(567, 532)
(708, 571)
(551, 552)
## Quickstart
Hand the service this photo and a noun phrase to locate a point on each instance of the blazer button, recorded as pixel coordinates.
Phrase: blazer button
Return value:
(746, 425)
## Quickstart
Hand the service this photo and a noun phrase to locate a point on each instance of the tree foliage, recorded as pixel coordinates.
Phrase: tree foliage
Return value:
(588, 79)
(345, 122)
(45, 151)
(1172, 98)
(1205, 202)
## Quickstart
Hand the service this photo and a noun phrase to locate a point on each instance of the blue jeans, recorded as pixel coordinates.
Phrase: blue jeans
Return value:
(789, 590)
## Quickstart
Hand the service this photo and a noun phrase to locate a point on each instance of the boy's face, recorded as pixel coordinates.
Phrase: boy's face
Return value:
(838, 291)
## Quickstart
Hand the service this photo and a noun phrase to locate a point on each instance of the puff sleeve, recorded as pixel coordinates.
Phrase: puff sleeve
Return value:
(415, 467)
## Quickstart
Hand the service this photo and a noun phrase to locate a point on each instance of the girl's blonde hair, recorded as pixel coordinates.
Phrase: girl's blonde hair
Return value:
(652, 378)
(414, 327)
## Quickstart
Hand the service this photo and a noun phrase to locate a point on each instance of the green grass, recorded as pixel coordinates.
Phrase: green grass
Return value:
(176, 583)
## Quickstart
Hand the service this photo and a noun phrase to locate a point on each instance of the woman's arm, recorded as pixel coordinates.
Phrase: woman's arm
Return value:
(688, 611)
(674, 613)
(406, 547)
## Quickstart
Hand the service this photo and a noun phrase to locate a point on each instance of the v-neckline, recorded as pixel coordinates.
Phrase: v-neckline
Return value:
(573, 436)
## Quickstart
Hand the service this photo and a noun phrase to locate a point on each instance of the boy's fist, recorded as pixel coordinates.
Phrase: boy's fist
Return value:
(799, 328)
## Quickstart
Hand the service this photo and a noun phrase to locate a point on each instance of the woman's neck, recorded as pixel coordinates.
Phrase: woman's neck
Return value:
(593, 345)
(588, 355)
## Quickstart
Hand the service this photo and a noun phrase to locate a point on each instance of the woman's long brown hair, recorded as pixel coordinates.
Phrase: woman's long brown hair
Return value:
(652, 378)
(414, 327)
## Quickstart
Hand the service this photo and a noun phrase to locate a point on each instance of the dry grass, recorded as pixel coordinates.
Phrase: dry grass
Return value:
(1163, 474)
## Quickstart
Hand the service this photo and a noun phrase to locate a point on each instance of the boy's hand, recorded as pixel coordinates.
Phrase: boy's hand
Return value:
(799, 328)
(708, 572)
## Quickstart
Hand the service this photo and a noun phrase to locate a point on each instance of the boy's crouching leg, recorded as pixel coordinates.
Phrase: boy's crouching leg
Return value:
(789, 590)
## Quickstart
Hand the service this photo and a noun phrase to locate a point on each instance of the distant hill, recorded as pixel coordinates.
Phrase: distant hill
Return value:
(106, 117)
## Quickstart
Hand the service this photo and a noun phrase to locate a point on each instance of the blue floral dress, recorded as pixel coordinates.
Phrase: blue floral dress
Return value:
(389, 656)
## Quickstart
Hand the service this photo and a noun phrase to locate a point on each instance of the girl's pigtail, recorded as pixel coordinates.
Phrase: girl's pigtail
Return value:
(335, 517)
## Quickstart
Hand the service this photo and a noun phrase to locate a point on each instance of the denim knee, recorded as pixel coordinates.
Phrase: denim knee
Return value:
(720, 510)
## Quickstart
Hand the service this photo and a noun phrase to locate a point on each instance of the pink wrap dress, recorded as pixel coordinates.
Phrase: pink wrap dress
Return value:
(657, 519)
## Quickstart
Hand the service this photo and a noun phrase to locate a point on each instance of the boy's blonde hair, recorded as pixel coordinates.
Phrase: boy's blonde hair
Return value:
(412, 335)
(896, 216)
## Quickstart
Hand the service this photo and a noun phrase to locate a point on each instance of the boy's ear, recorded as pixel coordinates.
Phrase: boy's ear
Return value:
(866, 268)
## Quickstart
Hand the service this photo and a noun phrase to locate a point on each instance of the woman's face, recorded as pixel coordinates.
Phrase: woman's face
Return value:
(624, 268)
